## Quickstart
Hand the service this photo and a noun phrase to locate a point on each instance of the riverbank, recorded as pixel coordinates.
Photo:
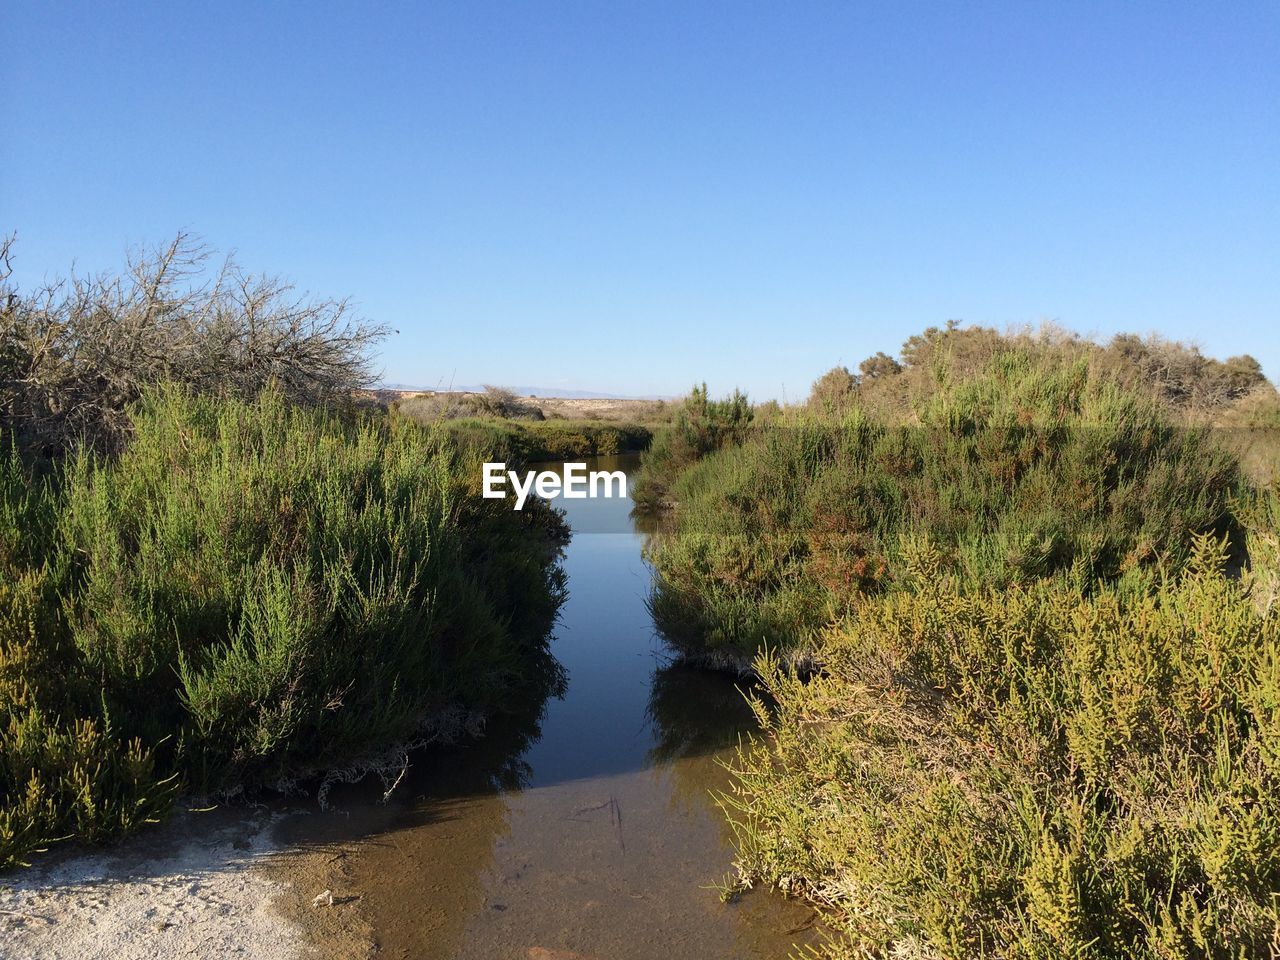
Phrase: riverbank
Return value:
(249, 594)
(196, 886)
(293, 883)
(579, 824)
(1043, 595)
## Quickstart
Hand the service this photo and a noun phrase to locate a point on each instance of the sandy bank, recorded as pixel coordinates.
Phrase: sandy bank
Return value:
(196, 886)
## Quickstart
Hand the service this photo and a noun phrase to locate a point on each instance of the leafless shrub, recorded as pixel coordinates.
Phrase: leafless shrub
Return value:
(75, 353)
(1180, 373)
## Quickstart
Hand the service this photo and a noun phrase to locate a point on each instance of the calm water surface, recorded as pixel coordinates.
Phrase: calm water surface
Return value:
(584, 823)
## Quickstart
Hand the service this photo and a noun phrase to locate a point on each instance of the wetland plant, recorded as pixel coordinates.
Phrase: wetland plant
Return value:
(249, 591)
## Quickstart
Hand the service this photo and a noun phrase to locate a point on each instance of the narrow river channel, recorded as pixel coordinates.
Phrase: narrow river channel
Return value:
(584, 826)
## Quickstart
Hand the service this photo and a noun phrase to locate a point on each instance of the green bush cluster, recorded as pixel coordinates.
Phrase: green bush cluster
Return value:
(699, 427)
(1015, 616)
(1177, 375)
(1034, 467)
(250, 591)
(1028, 771)
(534, 441)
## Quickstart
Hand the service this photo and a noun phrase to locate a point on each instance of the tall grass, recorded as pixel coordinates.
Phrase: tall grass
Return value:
(249, 592)
(1032, 468)
(698, 427)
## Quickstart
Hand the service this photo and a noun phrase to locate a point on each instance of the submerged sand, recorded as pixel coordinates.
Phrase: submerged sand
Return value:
(479, 876)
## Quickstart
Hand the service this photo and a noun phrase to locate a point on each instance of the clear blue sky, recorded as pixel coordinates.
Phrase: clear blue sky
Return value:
(629, 197)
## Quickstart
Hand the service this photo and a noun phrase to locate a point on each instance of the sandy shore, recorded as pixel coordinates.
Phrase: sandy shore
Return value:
(468, 874)
(200, 886)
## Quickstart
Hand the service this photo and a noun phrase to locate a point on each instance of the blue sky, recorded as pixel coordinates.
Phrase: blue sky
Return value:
(629, 197)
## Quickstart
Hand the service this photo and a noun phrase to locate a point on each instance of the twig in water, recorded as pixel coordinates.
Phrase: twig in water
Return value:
(392, 789)
(615, 816)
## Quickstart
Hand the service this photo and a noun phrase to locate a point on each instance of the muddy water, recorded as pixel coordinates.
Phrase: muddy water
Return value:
(583, 824)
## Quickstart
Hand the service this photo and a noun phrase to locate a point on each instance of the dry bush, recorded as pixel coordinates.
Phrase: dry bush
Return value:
(493, 402)
(430, 407)
(650, 411)
(501, 402)
(76, 353)
(1175, 373)
(1179, 373)
(879, 364)
(834, 390)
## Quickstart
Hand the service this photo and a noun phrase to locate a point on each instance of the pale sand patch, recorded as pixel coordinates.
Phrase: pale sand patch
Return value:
(194, 886)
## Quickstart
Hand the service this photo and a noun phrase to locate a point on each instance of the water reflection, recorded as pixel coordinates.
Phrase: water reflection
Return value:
(501, 752)
(693, 712)
(582, 820)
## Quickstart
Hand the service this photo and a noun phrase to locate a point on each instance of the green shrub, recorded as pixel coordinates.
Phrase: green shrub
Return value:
(700, 426)
(1034, 468)
(1259, 513)
(1028, 771)
(544, 440)
(250, 591)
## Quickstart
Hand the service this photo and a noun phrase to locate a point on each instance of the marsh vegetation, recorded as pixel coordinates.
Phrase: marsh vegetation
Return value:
(1008, 602)
(538, 429)
(211, 582)
(1012, 598)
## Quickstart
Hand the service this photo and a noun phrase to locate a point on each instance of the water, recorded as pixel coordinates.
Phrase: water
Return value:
(583, 826)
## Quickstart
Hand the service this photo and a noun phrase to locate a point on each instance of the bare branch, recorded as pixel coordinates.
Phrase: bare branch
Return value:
(74, 354)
